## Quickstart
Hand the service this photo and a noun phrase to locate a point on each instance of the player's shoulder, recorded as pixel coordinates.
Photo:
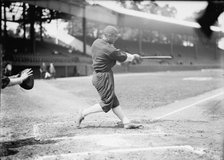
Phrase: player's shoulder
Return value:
(103, 44)
(98, 41)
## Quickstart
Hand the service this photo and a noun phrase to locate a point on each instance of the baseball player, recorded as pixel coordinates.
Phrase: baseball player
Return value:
(105, 56)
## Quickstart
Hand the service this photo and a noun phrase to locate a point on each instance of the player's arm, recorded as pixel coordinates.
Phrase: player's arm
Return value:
(18, 80)
(6, 81)
(14, 81)
(130, 57)
(133, 57)
(123, 57)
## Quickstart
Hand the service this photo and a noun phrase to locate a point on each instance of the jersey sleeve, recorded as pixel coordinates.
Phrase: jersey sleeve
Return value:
(117, 54)
(5, 82)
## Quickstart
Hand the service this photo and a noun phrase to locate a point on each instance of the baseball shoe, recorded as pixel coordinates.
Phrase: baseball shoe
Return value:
(132, 126)
(79, 120)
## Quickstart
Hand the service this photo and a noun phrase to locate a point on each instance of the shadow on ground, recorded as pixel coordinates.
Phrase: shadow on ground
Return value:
(10, 147)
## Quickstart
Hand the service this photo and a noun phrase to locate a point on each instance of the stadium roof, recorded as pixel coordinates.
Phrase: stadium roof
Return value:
(73, 2)
(154, 21)
(76, 8)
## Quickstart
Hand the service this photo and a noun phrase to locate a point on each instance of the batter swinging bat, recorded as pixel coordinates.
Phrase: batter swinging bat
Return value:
(156, 57)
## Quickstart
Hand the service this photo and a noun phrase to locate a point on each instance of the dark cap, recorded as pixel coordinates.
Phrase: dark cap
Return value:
(110, 30)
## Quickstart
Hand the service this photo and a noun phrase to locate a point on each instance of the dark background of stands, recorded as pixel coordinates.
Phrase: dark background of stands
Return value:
(70, 62)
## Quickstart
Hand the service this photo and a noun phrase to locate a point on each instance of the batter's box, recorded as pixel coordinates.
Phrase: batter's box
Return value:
(65, 129)
(85, 146)
(60, 129)
(57, 129)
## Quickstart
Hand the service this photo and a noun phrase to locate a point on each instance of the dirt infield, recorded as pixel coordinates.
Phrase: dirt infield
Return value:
(182, 114)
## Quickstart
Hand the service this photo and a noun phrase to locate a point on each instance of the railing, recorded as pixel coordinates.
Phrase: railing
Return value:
(32, 58)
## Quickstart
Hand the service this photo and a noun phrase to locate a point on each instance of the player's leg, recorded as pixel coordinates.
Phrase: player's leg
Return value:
(99, 81)
(124, 119)
(117, 110)
(119, 113)
(93, 109)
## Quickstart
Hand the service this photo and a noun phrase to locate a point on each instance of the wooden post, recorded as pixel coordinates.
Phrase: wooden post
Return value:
(66, 71)
(195, 45)
(171, 44)
(41, 28)
(1, 18)
(5, 19)
(140, 40)
(32, 29)
(24, 21)
(84, 29)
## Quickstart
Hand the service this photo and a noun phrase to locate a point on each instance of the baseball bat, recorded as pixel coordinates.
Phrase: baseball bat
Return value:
(156, 57)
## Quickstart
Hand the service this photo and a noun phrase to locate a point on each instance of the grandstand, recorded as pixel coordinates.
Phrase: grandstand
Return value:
(67, 63)
(70, 60)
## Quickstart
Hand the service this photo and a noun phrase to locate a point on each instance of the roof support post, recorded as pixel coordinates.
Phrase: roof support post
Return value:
(140, 30)
(84, 29)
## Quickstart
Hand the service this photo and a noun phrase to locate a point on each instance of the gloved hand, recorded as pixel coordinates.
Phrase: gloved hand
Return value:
(27, 79)
(26, 73)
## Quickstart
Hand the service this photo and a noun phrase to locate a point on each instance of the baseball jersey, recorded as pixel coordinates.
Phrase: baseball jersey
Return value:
(105, 55)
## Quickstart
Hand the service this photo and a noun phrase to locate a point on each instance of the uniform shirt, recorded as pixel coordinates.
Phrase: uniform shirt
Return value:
(105, 55)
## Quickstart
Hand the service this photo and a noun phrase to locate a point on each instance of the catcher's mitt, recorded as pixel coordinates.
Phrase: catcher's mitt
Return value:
(28, 83)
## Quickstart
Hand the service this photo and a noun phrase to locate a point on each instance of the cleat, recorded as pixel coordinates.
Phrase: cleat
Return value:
(79, 121)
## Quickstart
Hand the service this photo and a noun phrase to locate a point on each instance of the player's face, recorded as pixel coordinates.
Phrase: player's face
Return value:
(113, 38)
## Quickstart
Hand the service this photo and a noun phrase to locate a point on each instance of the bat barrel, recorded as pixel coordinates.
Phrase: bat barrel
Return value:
(156, 57)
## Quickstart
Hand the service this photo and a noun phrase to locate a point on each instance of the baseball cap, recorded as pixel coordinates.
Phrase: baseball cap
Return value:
(110, 30)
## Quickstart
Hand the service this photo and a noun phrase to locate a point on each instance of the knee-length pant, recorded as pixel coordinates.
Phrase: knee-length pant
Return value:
(104, 84)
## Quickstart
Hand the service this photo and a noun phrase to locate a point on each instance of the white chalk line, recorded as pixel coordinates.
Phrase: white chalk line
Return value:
(95, 136)
(79, 137)
(188, 106)
(35, 130)
(124, 150)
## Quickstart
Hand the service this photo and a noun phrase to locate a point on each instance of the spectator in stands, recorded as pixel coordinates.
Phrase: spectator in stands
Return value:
(8, 69)
(75, 71)
(16, 79)
(52, 70)
(43, 70)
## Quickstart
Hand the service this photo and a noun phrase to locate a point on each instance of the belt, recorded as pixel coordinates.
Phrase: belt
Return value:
(102, 71)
